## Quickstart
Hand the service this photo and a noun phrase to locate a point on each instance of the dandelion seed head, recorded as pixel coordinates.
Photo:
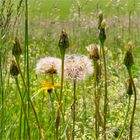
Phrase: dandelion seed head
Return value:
(77, 67)
(48, 65)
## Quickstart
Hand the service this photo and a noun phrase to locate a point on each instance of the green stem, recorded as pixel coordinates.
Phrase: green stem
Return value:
(62, 77)
(23, 106)
(58, 119)
(2, 94)
(95, 100)
(20, 123)
(27, 53)
(126, 116)
(73, 108)
(134, 106)
(105, 96)
(53, 113)
(30, 101)
(38, 124)
(52, 106)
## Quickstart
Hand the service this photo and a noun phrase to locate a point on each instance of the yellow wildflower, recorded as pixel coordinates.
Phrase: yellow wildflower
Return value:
(48, 87)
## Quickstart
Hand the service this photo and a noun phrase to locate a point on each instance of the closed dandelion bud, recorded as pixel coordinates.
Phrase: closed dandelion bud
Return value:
(93, 51)
(100, 16)
(14, 69)
(63, 42)
(102, 34)
(128, 59)
(130, 45)
(16, 51)
(129, 89)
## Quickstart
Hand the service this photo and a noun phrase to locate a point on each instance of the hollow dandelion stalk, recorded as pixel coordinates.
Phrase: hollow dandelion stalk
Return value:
(63, 45)
(94, 55)
(27, 55)
(73, 108)
(16, 51)
(126, 116)
(129, 61)
(77, 68)
(14, 72)
(2, 92)
(102, 38)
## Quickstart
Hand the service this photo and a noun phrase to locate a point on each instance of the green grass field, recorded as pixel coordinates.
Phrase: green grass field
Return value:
(61, 8)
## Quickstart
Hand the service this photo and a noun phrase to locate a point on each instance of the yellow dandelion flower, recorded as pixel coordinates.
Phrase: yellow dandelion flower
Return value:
(48, 87)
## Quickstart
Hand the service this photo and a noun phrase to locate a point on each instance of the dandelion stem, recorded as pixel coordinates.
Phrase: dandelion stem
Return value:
(95, 99)
(105, 96)
(20, 123)
(27, 52)
(2, 94)
(62, 77)
(30, 101)
(126, 116)
(23, 106)
(61, 96)
(134, 106)
(73, 108)
(52, 105)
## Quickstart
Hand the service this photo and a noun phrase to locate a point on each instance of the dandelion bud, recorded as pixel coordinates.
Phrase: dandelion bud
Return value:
(100, 16)
(103, 24)
(63, 42)
(13, 69)
(16, 51)
(129, 89)
(130, 45)
(128, 60)
(102, 34)
(93, 51)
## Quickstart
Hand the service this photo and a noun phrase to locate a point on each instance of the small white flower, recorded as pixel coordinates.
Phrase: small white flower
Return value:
(77, 67)
(48, 65)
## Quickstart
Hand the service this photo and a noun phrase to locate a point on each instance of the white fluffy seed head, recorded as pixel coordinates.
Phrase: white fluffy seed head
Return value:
(48, 65)
(77, 67)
